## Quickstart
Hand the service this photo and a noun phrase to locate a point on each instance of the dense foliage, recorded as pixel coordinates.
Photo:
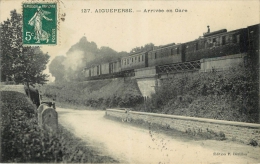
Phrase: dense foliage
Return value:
(57, 68)
(23, 141)
(228, 95)
(146, 47)
(20, 63)
(102, 93)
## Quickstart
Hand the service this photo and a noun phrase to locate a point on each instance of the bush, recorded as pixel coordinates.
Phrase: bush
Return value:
(253, 142)
(23, 141)
(228, 95)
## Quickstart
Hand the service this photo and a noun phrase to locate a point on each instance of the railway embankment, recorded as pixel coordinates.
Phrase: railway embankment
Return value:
(230, 95)
(105, 93)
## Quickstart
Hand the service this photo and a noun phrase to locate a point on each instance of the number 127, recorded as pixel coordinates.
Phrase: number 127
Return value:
(85, 10)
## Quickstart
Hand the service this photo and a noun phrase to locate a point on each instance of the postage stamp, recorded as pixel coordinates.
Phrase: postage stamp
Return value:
(39, 23)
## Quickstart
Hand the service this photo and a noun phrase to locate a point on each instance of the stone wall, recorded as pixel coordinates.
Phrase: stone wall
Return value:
(17, 88)
(146, 86)
(242, 132)
(145, 72)
(222, 63)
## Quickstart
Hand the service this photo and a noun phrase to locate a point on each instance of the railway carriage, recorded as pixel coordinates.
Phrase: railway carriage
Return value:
(104, 70)
(104, 67)
(134, 61)
(95, 70)
(216, 44)
(87, 72)
(166, 54)
(184, 56)
(253, 38)
(115, 66)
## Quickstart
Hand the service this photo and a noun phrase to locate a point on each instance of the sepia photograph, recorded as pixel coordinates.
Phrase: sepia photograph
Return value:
(127, 81)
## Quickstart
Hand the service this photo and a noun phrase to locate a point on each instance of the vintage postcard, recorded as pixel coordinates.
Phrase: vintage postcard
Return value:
(161, 82)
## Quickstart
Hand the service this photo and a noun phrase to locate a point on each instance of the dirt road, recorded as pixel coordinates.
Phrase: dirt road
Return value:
(130, 144)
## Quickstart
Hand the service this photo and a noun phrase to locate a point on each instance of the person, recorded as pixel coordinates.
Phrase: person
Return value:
(36, 21)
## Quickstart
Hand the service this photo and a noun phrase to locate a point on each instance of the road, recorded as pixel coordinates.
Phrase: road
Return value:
(129, 144)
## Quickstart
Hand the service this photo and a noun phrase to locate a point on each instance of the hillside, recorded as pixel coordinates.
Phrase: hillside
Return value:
(227, 95)
(99, 93)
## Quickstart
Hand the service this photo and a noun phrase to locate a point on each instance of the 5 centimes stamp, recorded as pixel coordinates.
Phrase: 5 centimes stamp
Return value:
(39, 23)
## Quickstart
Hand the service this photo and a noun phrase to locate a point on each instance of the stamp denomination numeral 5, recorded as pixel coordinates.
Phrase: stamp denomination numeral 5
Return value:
(85, 10)
(28, 36)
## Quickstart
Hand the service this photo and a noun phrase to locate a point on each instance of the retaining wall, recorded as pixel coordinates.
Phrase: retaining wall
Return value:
(146, 86)
(17, 88)
(222, 63)
(242, 132)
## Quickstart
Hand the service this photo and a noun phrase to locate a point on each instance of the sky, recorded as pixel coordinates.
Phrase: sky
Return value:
(124, 31)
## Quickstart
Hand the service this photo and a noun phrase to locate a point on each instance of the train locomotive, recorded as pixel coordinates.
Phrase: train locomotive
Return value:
(213, 44)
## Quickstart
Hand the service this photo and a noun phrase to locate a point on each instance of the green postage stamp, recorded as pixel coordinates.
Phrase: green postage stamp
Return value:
(40, 23)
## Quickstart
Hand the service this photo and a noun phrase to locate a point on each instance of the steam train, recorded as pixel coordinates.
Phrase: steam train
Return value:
(213, 44)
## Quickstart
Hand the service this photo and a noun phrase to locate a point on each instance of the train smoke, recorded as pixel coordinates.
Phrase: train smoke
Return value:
(74, 60)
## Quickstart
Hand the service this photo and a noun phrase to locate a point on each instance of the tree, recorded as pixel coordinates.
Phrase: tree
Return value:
(57, 68)
(146, 47)
(19, 63)
(11, 44)
(29, 66)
